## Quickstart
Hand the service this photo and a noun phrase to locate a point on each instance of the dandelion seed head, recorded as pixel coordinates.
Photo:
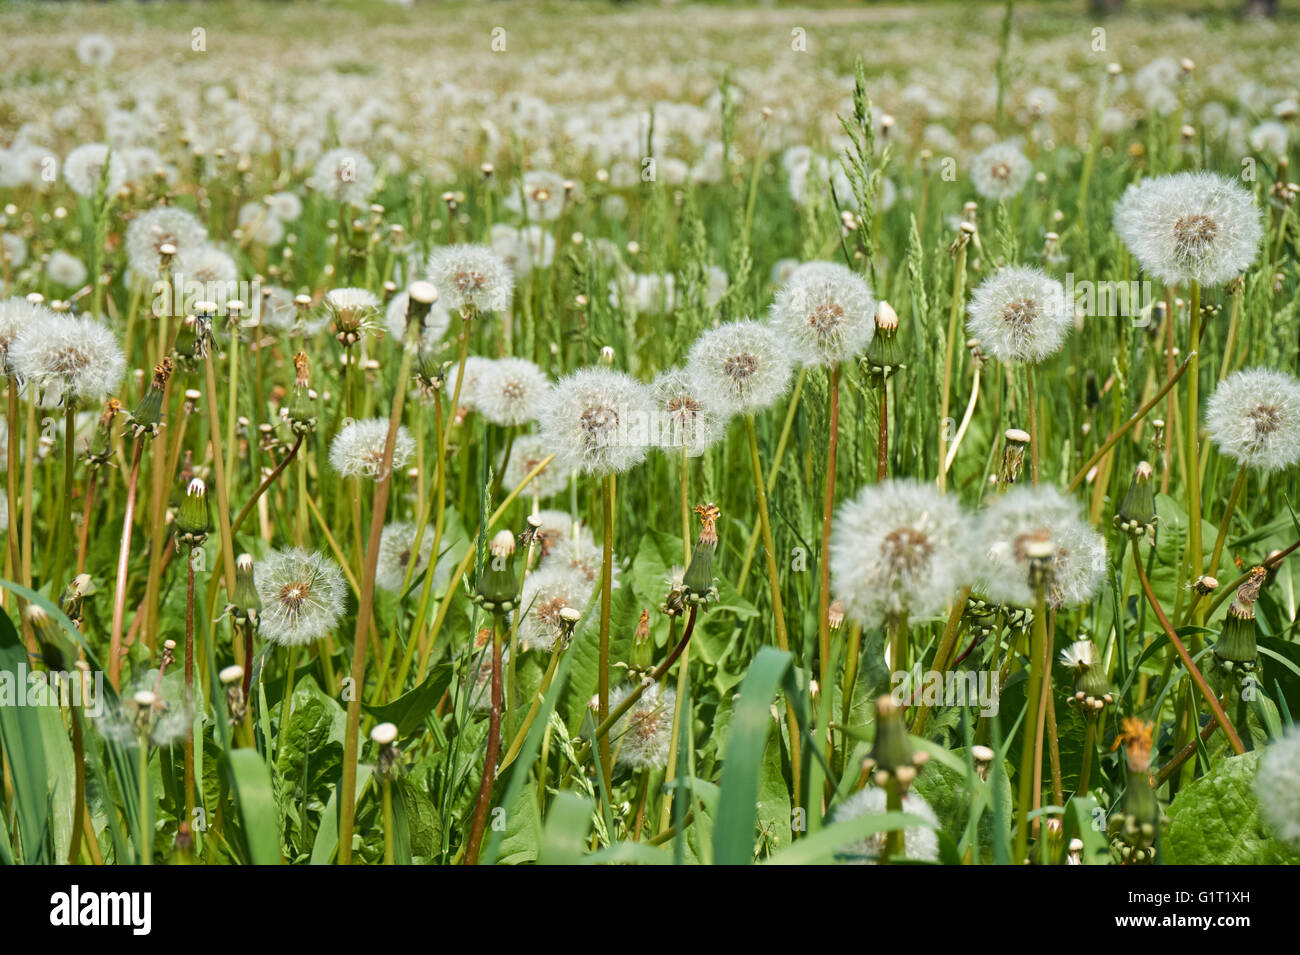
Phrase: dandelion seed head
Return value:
(1000, 171)
(1277, 786)
(1190, 227)
(1011, 527)
(509, 391)
(357, 451)
(745, 365)
(66, 269)
(62, 357)
(642, 735)
(344, 175)
(825, 311)
(530, 451)
(1254, 418)
(471, 276)
(302, 596)
(687, 416)
(396, 550)
(436, 323)
(84, 167)
(920, 843)
(1019, 314)
(596, 420)
(547, 591)
(898, 547)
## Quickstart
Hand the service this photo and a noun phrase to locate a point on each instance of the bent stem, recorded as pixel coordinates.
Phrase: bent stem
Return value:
(1211, 700)
(1224, 522)
(1038, 640)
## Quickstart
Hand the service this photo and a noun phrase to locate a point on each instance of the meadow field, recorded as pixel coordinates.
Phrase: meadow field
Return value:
(560, 432)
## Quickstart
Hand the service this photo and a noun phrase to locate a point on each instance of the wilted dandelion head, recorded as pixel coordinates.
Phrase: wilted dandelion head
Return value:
(529, 451)
(344, 175)
(1000, 171)
(745, 365)
(825, 311)
(1010, 528)
(471, 277)
(686, 414)
(548, 590)
(1079, 655)
(436, 323)
(898, 547)
(149, 232)
(1254, 418)
(509, 391)
(84, 167)
(596, 420)
(397, 553)
(358, 449)
(1019, 314)
(65, 357)
(1277, 785)
(1190, 227)
(302, 596)
(642, 735)
(919, 842)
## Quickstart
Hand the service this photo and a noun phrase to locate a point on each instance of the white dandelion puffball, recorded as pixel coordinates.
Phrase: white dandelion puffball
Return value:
(1190, 227)
(212, 268)
(13, 250)
(826, 312)
(898, 547)
(541, 193)
(1000, 171)
(475, 367)
(1270, 138)
(148, 232)
(523, 249)
(920, 843)
(745, 365)
(547, 591)
(64, 268)
(83, 168)
(396, 548)
(471, 277)
(1020, 314)
(358, 449)
(64, 357)
(259, 224)
(1277, 786)
(95, 49)
(643, 734)
(1254, 418)
(557, 527)
(685, 415)
(344, 175)
(286, 206)
(597, 420)
(1028, 515)
(509, 391)
(15, 315)
(436, 322)
(302, 596)
(529, 452)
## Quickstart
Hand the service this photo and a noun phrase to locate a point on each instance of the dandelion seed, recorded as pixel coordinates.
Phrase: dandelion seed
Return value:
(687, 417)
(302, 596)
(1019, 314)
(1190, 227)
(547, 591)
(1254, 418)
(344, 175)
(898, 547)
(357, 451)
(826, 312)
(1277, 786)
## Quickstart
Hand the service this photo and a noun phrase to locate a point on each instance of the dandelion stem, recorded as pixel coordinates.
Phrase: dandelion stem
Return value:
(1192, 422)
(824, 562)
(1186, 657)
(606, 604)
(954, 314)
(1033, 693)
(490, 759)
(781, 443)
(189, 683)
(123, 560)
(1224, 522)
(1089, 745)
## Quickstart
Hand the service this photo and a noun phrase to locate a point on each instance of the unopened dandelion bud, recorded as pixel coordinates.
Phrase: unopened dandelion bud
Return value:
(1013, 455)
(1137, 512)
(246, 603)
(1237, 647)
(193, 520)
(885, 353)
(99, 451)
(146, 420)
(835, 615)
(498, 584)
(49, 637)
(642, 645)
(1135, 827)
(74, 595)
(1091, 690)
(698, 584)
(891, 753)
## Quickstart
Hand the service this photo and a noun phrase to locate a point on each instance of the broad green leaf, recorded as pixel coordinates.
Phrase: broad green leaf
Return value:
(1215, 820)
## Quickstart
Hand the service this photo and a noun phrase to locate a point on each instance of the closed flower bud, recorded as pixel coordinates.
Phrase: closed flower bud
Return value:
(1237, 647)
(193, 520)
(246, 604)
(1137, 512)
(147, 417)
(892, 753)
(498, 585)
